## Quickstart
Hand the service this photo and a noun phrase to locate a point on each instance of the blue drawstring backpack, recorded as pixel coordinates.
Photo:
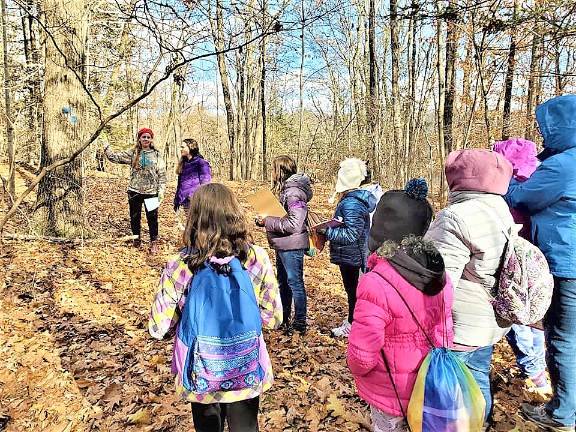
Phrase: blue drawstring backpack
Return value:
(220, 327)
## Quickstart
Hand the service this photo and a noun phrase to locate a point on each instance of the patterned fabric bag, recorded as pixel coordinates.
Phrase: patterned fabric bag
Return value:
(220, 328)
(525, 285)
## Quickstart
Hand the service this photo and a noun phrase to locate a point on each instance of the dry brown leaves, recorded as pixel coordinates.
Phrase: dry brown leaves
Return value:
(77, 355)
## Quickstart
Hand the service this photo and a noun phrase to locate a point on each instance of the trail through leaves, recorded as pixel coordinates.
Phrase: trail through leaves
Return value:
(77, 355)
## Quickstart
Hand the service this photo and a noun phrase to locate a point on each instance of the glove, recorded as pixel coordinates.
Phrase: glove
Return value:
(260, 221)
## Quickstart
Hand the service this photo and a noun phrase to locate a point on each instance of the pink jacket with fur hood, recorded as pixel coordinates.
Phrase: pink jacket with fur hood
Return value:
(382, 321)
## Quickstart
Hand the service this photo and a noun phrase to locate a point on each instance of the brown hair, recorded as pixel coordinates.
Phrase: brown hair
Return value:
(282, 168)
(216, 226)
(137, 151)
(194, 151)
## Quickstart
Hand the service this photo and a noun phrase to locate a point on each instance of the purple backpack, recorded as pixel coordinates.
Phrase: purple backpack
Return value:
(525, 284)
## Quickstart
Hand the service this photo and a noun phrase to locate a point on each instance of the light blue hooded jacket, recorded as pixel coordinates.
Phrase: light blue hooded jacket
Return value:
(549, 195)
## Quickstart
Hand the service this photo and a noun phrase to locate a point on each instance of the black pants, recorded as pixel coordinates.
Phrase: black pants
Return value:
(241, 416)
(350, 275)
(135, 201)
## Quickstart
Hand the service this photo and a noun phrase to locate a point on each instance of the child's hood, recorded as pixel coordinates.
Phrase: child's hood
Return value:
(365, 197)
(302, 183)
(521, 153)
(420, 264)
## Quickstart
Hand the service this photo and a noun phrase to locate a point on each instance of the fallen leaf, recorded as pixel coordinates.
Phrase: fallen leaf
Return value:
(142, 416)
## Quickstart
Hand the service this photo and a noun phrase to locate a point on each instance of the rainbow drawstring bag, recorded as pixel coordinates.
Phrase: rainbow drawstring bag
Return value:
(446, 397)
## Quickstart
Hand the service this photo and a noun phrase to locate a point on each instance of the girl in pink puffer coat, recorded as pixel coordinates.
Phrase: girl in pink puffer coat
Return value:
(404, 272)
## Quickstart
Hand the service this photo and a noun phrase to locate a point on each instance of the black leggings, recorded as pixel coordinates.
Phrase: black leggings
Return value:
(350, 275)
(135, 201)
(242, 416)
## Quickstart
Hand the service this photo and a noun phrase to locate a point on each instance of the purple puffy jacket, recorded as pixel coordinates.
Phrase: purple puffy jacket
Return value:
(290, 232)
(195, 172)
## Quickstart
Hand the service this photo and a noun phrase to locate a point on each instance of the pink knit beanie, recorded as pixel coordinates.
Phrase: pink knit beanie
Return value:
(478, 170)
(521, 153)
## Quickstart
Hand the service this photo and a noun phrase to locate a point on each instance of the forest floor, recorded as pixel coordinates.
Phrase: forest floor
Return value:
(76, 354)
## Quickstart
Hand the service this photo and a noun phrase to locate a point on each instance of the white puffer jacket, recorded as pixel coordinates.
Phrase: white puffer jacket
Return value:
(469, 233)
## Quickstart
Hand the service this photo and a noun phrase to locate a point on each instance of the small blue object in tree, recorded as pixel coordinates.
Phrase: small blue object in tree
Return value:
(417, 188)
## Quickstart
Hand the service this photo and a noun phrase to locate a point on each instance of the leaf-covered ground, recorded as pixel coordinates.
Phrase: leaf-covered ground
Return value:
(76, 355)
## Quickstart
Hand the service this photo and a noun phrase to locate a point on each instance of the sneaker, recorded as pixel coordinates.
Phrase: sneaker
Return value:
(154, 247)
(343, 330)
(539, 384)
(538, 414)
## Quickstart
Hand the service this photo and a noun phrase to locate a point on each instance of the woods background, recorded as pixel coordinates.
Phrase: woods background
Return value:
(400, 83)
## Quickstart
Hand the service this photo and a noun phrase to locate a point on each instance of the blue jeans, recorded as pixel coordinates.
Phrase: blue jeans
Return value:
(560, 328)
(478, 361)
(290, 269)
(529, 348)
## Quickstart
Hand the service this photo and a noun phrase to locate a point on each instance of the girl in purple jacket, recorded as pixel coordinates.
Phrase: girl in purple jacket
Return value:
(193, 171)
(288, 236)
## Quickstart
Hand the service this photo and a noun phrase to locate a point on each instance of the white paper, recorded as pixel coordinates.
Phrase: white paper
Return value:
(152, 203)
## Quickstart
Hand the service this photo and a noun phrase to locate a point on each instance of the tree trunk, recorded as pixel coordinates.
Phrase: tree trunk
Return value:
(450, 77)
(509, 80)
(263, 94)
(533, 83)
(373, 112)
(59, 204)
(395, 51)
(301, 83)
(218, 34)
(440, 68)
(7, 106)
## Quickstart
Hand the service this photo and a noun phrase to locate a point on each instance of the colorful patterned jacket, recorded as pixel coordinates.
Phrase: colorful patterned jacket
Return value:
(170, 300)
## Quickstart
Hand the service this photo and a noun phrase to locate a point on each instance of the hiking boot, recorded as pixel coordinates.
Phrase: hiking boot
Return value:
(137, 243)
(300, 328)
(154, 247)
(537, 414)
(343, 330)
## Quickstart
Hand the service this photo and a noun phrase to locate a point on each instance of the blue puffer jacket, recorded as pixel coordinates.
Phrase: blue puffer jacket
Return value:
(349, 242)
(549, 196)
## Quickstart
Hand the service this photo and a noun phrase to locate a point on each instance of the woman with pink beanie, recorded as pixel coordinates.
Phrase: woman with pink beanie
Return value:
(469, 233)
(526, 342)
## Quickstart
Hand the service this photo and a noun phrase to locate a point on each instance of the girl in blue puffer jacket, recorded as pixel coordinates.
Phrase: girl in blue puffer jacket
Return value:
(349, 242)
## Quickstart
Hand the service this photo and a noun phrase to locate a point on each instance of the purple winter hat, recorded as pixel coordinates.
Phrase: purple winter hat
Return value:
(521, 153)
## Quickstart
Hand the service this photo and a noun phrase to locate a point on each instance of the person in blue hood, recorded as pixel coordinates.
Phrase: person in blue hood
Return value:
(349, 241)
(549, 197)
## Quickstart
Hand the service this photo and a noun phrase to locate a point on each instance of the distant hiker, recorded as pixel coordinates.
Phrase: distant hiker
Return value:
(373, 187)
(349, 242)
(549, 196)
(405, 282)
(216, 295)
(288, 236)
(147, 180)
(470, 235)
(193, 171)
(526, 342)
